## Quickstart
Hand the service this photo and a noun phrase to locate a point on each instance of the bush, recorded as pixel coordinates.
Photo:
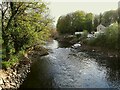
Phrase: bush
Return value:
(112, 36)
(107, 39)
(13, 60)
(85, 33)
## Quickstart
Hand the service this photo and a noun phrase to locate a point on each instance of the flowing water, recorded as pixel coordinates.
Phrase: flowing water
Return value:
(70, 68)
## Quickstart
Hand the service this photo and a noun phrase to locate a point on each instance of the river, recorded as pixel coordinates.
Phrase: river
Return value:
(65, 67)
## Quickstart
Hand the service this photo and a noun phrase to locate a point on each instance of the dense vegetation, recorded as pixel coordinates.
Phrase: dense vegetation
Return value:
(106, 19)
(76, 21)
(107, 39)
(111, 38)
(24, 24)
(79, 21)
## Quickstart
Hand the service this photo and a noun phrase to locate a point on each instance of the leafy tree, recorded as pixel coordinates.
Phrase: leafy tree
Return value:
(100, 18)
(89, 24)
(96, 22)
(78, 21)
(60, 24)
(74, 22)
(23, 25)
(118, 12)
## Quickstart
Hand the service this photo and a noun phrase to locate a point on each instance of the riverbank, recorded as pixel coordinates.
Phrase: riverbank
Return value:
(72, 39)
(68, 68)
(13, 77)
(103, 51)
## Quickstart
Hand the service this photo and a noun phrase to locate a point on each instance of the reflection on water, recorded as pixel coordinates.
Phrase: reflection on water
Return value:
(68, 68)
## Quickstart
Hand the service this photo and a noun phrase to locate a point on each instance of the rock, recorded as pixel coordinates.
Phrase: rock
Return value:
(10, 75)
(27, 71)
(76, 45)
(7, 81)
(0, 88)
(13, 84)
(1, 81)
(13, 77)
(18, 75)
(17, 85)
(25, 61)
(93, 50)
(14, 73)
(7, 85)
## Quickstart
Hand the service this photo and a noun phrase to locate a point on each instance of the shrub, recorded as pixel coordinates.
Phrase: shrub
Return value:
(108, 39)
(13, 60)
(84, 35)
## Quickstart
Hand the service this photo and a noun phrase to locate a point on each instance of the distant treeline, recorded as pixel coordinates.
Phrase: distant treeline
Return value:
(79, 20)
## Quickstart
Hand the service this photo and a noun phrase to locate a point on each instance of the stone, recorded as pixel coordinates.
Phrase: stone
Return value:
(0, 88)
(1, 81)
(17, 85)
(7, 85)
(6, 81)
(13, 84)
(10, 75)
(12, 88)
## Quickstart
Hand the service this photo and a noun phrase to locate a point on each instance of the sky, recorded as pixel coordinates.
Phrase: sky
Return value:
(60, 7)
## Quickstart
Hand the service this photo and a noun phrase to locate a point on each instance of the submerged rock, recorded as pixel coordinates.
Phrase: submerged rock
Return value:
(76, 45)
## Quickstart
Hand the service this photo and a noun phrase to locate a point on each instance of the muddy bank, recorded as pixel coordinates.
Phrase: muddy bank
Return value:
(13, 77)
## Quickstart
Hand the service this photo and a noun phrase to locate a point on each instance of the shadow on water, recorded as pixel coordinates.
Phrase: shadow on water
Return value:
(111, 65)
(40, 75)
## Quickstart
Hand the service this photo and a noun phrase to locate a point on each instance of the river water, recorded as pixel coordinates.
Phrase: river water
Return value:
(65, 67)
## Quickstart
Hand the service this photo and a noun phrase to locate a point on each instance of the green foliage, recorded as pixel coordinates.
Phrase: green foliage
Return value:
(109, 39)
(88, 23)
(75, 22)
(13, 61)
(96, 22)
(84, 35)
(24, 24)
(112, 36)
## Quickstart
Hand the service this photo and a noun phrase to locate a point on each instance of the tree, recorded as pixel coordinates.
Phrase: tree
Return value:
(23, 25)
(110, 17)
(100, 18)
(61, 25)
(79, 20)
(96, 22)
(89, 24)
(71, 23)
